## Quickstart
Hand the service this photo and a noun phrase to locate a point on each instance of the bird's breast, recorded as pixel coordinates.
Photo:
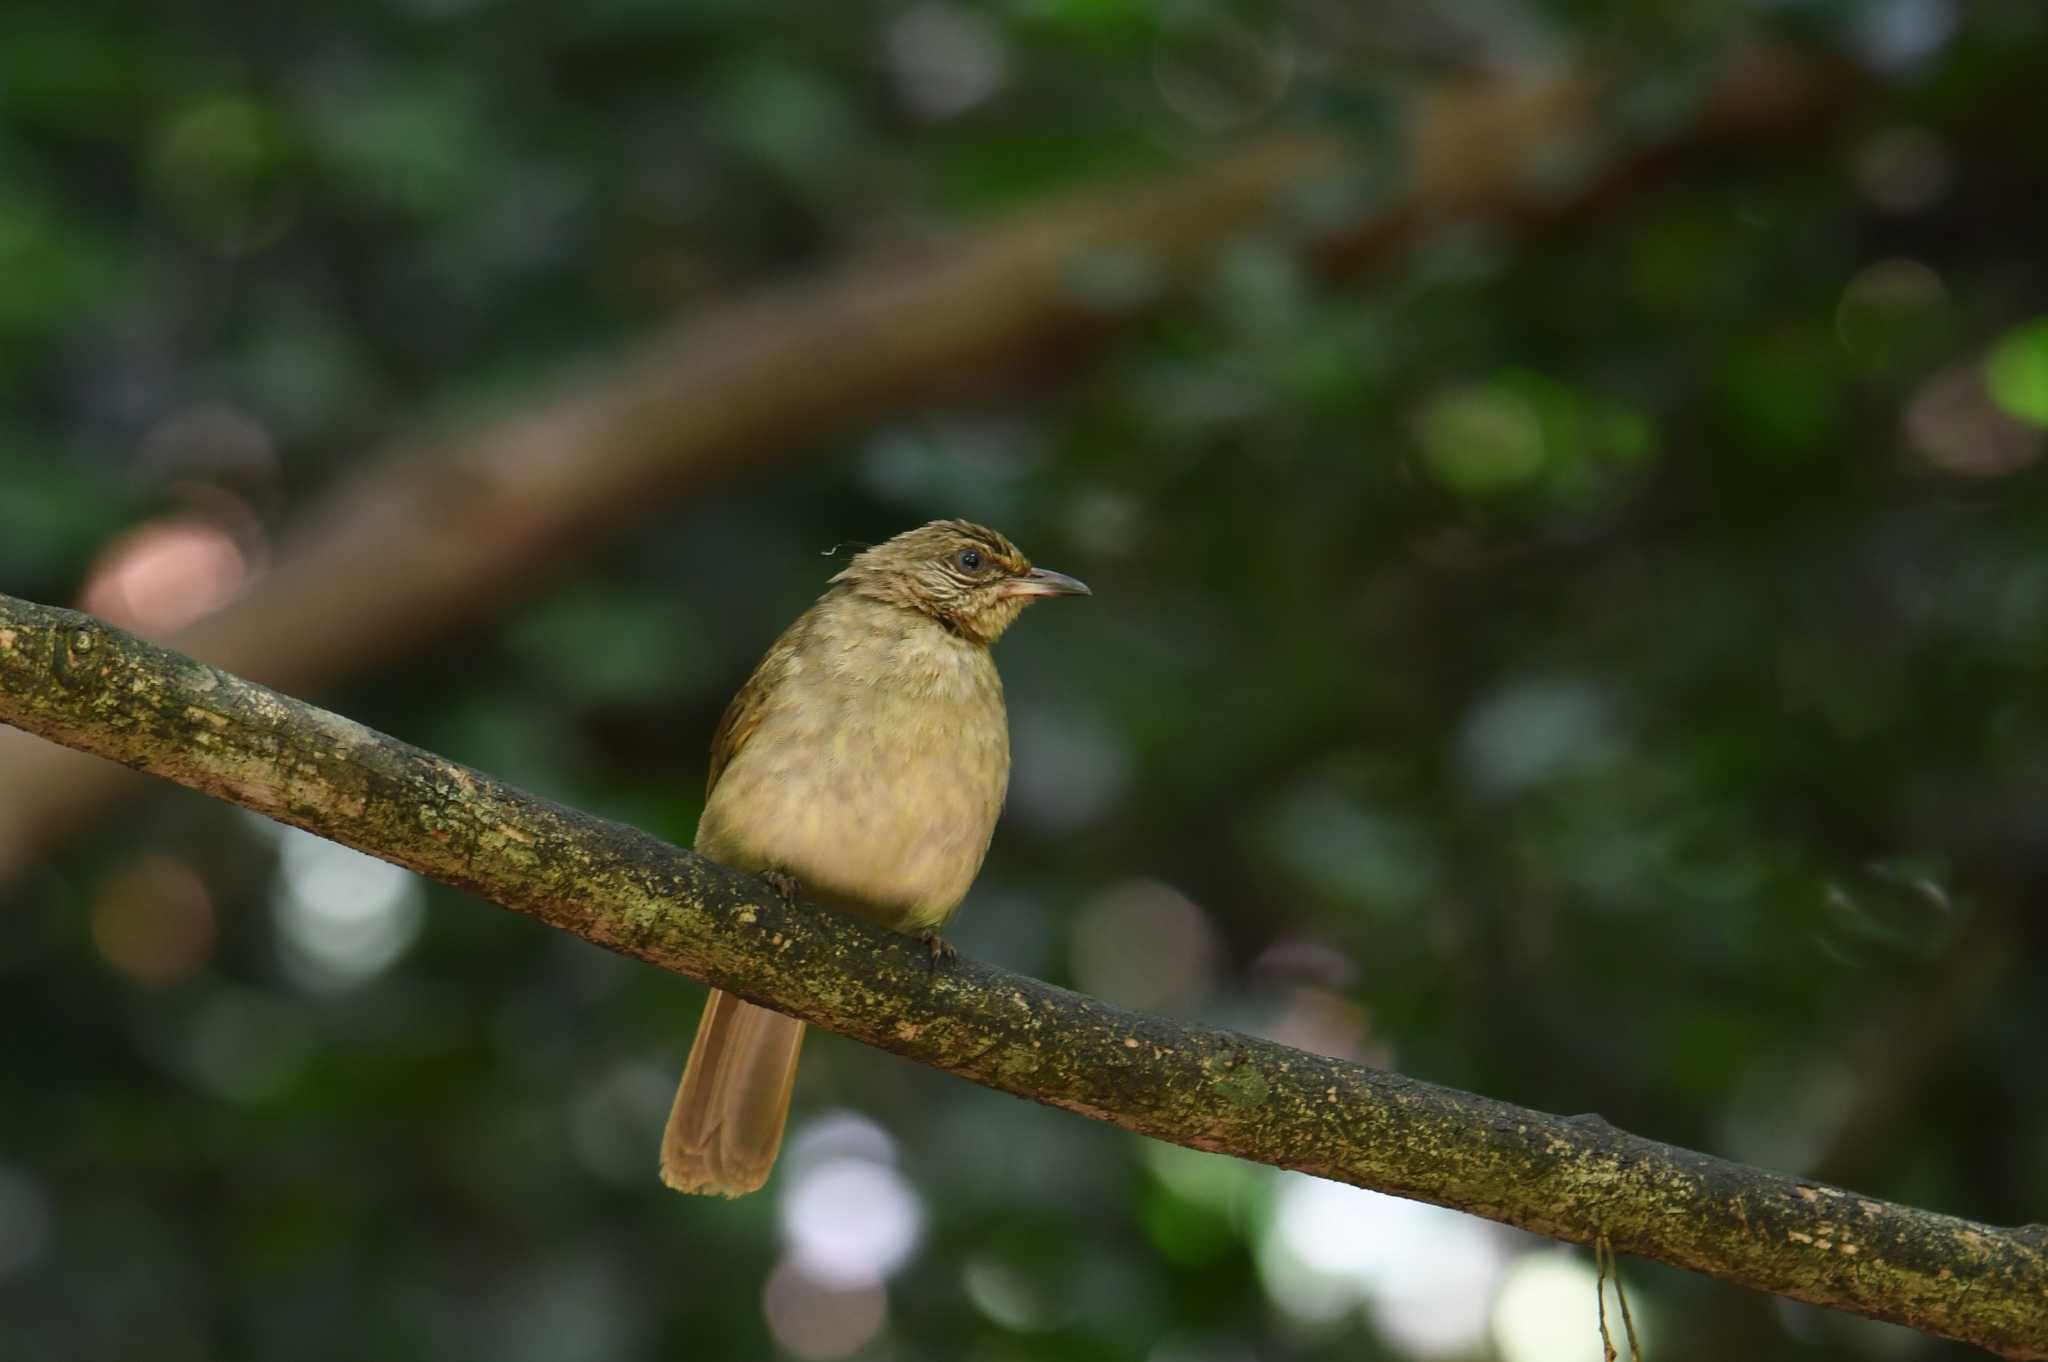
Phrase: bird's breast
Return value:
(875, 777)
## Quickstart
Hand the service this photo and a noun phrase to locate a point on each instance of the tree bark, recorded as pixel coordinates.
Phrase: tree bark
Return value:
(436, 532)
(74, 680)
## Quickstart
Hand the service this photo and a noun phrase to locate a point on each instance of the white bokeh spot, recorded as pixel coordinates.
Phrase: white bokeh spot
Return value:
(1426, 1275)
(342, 917)
(848, 1217)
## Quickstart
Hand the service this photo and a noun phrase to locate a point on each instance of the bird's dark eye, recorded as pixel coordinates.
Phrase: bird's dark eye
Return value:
(969, 560)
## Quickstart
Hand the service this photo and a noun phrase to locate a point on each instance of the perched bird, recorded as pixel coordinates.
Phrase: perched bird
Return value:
(866, 761)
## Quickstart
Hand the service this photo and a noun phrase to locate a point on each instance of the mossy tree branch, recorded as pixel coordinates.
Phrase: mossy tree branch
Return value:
(74, 680)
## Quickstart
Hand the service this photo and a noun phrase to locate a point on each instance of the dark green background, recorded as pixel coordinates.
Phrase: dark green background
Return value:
(1599, 667)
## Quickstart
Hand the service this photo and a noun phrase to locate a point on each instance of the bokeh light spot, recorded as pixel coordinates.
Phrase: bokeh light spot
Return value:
(343, 918)
(217, 169)
(1144, 944)
(945, 58)
(1322, 1022)
(1900, 35)
(1953, 426)
(1532, 730)
(1480, 440)
(153, 921)
(1008, 1297)
(1426, 1274)
(1547, 1308)
(1229, 1186)
(1891, 311)
(159, 577)
(850, 1221)
(2016, 372)
(848, 1217)
(818, 1321)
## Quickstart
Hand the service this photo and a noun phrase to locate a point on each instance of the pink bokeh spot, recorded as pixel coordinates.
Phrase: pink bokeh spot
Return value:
(160, 577)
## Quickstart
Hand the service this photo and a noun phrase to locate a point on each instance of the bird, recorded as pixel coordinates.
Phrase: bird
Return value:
(863, 765)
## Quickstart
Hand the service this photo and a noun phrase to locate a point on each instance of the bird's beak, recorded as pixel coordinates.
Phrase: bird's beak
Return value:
(1044, 582)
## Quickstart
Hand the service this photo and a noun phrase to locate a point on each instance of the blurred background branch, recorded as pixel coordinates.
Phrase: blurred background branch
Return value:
(69, 678)
(440, 531)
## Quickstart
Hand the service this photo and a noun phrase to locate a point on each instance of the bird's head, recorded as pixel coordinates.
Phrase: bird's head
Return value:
(970, 579)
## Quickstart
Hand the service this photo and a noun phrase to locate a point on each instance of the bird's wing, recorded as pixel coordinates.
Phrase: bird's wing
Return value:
(741, 718)
(748, 707)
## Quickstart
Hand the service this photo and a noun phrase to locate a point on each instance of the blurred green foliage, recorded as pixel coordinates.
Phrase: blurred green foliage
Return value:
(1600, 667)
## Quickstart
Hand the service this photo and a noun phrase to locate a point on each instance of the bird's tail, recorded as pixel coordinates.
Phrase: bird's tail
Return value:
(726, 1126)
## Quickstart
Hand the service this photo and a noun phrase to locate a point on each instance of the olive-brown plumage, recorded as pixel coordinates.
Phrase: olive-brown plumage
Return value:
(866, 758)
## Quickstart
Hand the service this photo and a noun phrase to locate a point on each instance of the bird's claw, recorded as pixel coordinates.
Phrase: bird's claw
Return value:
(941, 949)
(786, 885)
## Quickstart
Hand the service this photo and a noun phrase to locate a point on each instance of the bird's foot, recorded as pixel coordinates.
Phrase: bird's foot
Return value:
(940, 948)
(786, 885)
